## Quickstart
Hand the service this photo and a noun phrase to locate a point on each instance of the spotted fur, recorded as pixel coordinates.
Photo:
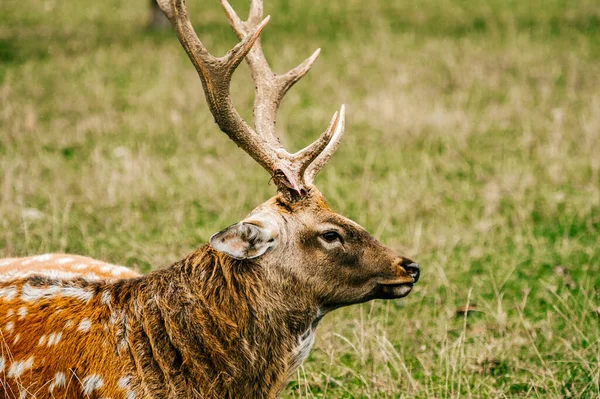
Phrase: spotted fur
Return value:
(130, 339)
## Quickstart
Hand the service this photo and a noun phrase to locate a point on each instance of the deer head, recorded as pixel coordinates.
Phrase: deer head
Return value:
(294, 234)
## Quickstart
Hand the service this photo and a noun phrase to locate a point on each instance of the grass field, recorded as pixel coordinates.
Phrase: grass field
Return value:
(472, 144)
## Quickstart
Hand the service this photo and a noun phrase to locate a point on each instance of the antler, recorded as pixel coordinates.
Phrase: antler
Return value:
(290, 171)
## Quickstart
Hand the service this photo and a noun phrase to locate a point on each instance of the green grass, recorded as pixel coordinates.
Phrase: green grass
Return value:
(472, 145)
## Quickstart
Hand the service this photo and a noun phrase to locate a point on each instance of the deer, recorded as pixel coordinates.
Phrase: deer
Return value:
(234, 318)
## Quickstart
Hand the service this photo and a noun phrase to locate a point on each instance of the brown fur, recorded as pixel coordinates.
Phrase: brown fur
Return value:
(208, 326)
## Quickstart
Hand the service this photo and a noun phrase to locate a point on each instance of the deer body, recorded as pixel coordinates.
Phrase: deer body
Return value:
(233, 319)
(204, 327)
(209, 326)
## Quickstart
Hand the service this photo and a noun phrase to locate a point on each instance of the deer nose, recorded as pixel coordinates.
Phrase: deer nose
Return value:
(412, 268)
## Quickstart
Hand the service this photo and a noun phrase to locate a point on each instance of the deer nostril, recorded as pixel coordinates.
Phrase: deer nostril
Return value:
(413, 270)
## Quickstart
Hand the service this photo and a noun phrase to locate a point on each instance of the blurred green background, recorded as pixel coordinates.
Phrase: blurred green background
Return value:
(472, 145)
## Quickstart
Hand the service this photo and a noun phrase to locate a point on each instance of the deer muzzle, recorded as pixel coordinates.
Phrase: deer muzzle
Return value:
(403, 286)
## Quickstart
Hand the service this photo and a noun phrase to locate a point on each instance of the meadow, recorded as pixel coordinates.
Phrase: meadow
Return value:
(472, 145)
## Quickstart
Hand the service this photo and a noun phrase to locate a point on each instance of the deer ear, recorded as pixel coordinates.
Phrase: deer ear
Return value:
(247, 239)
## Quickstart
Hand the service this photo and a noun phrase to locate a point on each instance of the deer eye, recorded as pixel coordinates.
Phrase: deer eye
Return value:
(331, 236)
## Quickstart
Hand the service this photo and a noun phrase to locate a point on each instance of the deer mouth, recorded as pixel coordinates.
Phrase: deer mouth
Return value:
(394, 291)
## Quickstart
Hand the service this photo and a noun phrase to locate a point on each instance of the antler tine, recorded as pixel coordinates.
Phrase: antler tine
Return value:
(293, 75)
(215, 74)
(270, 88)
(306, 156)
(256, 11)
(235, 21)
(324, 157)
(291, 171)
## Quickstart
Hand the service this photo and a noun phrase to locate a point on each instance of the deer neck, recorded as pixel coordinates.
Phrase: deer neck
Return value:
(213, 321)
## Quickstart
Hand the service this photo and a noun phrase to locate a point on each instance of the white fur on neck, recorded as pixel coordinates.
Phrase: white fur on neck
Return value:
(301, 351)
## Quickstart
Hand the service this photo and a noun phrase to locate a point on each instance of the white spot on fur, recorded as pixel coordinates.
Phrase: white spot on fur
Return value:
(54, 338)
(60, 378)
(80, 293)
(124, 382)
(22, 393)
(105, 268)
(5, 262)
(117, 271)
(80, 266)
(27, 261)
(91, 276)
(22, 312)
(64, 261)
(17, 368)
(84, 325)
(54, 274)
(130, 395)
(10, 326)
(2, 364)
(91, 383)
(8, 293)
(30, 293)
(58, 274)
(42, 258)
(59, 381)
(10, 313)
(14, 274)
(106, 298)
